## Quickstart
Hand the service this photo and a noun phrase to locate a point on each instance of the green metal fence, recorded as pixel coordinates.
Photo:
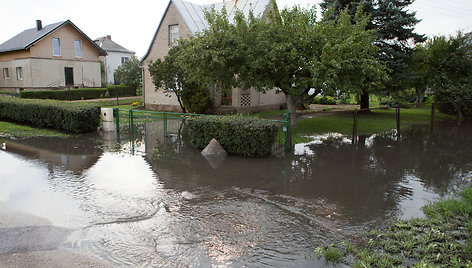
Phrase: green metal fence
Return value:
(130, 117)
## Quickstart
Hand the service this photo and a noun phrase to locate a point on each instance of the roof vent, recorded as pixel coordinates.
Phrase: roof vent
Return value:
(109, 37)
(39, 25)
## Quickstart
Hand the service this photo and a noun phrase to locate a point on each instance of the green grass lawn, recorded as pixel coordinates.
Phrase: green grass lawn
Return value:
(17, 130)
(374, 122)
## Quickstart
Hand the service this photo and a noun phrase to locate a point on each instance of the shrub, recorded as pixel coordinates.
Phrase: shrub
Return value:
(123, 91)
(79, 94)
(74, 117)
(324, 100)
(196, 98)
(240, 135)
(65, 94)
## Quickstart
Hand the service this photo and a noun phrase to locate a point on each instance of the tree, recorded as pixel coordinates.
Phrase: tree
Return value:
(448, 71)
(129, 73)
(289, 50)
(170, 75)
(395, 36)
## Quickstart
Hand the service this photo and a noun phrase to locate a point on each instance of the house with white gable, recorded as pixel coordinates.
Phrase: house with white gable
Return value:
(182, 19)
(116, 55)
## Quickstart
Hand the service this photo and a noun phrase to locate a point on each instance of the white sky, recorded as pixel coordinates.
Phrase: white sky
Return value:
(132, 23)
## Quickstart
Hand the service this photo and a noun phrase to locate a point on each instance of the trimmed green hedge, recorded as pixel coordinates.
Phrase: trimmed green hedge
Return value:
(240, 135)
(74, 117)
(123, 91)
(79, 94)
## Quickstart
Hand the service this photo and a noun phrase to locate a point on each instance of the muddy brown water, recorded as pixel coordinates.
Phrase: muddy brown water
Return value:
(146, 200)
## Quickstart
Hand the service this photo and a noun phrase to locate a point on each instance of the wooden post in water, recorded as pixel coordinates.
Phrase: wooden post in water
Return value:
(354, 128)
(431, 126)
(398, 120)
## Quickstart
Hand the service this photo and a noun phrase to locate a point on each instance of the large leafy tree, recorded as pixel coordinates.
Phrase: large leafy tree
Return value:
(288, 49)
(395, 35)
(448, 70)
(129, 73)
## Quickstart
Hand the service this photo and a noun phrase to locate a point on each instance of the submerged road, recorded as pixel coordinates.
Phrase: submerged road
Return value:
(30, 241)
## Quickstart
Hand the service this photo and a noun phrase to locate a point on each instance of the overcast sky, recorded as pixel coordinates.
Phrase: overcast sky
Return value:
(132, 23)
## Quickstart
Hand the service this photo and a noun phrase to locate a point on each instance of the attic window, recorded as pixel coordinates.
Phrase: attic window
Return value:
(78, 48)
(173, 34)
(56, 46)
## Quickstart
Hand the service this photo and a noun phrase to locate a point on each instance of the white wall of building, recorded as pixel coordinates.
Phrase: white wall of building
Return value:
(112, 62)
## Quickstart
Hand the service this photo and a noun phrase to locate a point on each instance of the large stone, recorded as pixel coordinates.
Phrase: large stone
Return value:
(214, 149)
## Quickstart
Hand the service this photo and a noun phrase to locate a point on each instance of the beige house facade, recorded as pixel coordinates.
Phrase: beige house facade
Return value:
(182, 19)
(58, 55)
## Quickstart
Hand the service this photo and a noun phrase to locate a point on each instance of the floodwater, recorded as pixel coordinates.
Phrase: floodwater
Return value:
(146, 200)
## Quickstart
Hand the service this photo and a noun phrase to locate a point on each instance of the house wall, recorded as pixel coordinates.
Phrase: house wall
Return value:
(13, 55)
(161, 99)
(112, 62)
(66, 34)
(49, 73)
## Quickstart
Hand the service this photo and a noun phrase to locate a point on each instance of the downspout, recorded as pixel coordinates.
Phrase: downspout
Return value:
(142, 84)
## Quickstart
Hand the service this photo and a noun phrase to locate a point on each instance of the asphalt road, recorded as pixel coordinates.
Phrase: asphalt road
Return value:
(30, 241)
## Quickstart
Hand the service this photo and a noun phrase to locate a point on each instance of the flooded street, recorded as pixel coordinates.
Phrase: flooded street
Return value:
(145, 200)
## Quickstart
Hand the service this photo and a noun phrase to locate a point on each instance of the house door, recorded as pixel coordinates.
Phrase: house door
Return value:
(69, 72)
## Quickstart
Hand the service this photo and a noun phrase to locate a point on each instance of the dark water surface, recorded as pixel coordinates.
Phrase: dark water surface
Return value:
(144, 200)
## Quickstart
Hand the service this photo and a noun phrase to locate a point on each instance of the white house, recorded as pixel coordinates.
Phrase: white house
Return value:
(116, 55)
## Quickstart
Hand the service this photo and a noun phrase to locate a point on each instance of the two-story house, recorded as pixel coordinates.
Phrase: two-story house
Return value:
(182, 19)
(58, 55)
(116, 55)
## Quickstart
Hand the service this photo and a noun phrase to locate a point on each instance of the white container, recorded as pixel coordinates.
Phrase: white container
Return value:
(107, 114)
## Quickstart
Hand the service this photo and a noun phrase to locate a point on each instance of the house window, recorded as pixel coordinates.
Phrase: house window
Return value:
(56, 46)
(19, 73)
(173, 34)
(123, 59)
(6, 73)
(78, 48)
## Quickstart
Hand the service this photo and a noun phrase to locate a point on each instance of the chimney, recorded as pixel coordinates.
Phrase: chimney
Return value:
(39, 25)
(109, 37)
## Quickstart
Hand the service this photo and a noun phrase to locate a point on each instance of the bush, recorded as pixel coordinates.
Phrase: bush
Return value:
(74, 117)
(196, 98)
(79, 94)
(123, 91)
(324, 100)
(240, 135)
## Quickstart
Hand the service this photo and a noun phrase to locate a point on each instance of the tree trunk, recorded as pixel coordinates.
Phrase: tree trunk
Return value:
(419, 99)
(364, 100)
(459, 113)
(291, 105)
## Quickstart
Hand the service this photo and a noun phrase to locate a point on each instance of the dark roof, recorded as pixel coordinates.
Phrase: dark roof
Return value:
(110, 46)
(28, 38)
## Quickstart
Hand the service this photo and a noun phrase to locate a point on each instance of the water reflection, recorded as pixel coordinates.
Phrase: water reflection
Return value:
(141, 198)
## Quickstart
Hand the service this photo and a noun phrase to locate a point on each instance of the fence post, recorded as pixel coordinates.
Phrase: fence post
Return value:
(165, 124)
(354, 128)
(432, 116)
(116, 113)
(398, 120)
(130, 120)
(288, 133)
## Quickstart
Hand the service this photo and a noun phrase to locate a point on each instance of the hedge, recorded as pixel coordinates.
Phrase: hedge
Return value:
(74, 117)
(239, 135)
(79, 94)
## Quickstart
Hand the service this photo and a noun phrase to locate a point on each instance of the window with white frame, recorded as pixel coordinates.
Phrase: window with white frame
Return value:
(19, 73)
(123, 59)
(173, 34)
(6, 73)
(56, 46)
(78, 48)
